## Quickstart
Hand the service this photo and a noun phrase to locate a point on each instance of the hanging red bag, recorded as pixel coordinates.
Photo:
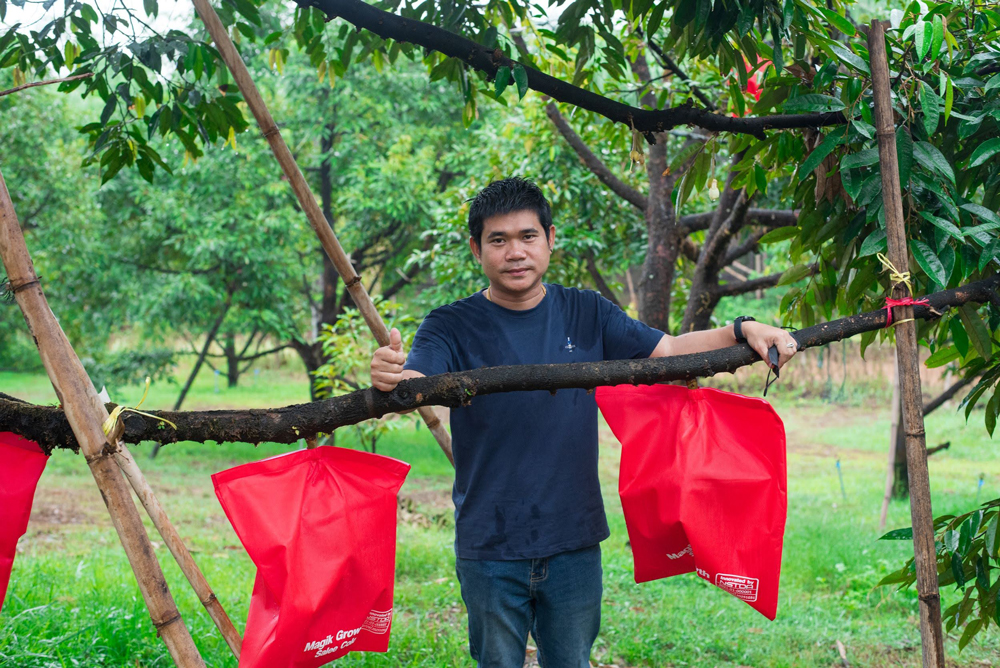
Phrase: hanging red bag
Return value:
(703, 486)
(22, 465)
(321, 527)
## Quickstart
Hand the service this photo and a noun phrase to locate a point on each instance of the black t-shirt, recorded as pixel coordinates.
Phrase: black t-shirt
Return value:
(526, 483)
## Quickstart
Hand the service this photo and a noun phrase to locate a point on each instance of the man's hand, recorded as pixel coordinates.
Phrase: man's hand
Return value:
(761, 337)
(387, 363)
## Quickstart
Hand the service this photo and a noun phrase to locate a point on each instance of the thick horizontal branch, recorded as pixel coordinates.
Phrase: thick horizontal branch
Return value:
(48, 426)
(392, 26)
(592, 162)
(768, 218)
(764, 282)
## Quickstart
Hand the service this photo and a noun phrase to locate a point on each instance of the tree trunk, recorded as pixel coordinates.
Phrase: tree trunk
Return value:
(663, 245)
(232, 361)
(900, 471)
(201, 356)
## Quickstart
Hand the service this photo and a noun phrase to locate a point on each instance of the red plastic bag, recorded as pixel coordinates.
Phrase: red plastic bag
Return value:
(321, 527)
(703, 486)
(21, 465)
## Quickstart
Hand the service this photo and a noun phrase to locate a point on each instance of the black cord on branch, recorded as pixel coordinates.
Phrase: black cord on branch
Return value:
(48, 426)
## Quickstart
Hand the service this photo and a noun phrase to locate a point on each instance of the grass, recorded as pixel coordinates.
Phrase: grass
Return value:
(73, 602)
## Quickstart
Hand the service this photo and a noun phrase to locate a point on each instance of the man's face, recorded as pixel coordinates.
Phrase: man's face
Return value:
(515, 252)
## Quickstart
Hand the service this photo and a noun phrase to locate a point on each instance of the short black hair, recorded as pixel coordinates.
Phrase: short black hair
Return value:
(508, 195)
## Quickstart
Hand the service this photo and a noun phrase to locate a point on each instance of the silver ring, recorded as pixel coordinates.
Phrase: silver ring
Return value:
(789, 345)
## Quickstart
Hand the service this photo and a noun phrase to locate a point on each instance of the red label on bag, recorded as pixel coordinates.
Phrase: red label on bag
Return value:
(320, 525)
(742, 588)
(698, 468)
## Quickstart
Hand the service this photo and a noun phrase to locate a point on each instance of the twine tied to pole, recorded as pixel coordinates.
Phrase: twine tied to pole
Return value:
(113, 425)
(896, 276)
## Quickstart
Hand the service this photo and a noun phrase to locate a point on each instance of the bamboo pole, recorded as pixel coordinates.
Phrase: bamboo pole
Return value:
(178, 549)
(909, 364)
(307, 200)
(893, 433)
(86, 413)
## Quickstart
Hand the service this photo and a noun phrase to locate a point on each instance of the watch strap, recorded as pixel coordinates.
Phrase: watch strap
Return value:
(738, 327)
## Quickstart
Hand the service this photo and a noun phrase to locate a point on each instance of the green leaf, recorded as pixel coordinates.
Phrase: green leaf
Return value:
(865, 129)
(869, 156)
(977, 331)
(949, 98)
(109, 108)
(989, 253)
(937, 37)
(957, 570)
(991, 417)
(838, 21)
(970, 631)
(993, 537)
(933, 160)
(950, 540)
(983, 213)
(929, 261)
(521, 79)
(812, 102)
(930, 104)
(830, 142)
(795, 274)
(943, 225)
(923, 36)
(904, 155)
(984, 151)
(875, 243)
(899, 534)
(849, 57)
(655, 18)
(502, 81)
(779, 234)
(150, 7)
(942, 357)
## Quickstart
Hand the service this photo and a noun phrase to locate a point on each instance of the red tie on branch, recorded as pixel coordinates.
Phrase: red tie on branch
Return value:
(905, 301)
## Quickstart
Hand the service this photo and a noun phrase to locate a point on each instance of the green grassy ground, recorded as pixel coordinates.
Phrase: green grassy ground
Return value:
(73, 602)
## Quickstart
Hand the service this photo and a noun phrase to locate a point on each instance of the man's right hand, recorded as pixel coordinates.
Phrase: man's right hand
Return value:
(387, 363)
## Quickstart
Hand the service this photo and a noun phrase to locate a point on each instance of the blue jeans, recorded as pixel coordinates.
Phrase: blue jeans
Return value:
(557, 598)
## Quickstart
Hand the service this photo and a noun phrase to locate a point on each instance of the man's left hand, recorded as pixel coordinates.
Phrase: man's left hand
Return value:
(761, 337)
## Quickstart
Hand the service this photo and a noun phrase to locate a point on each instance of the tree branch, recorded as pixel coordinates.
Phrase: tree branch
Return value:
(44, 83)
(937, 401)
(738, 250)
(400, 29)
(602, 285)
(669, 64)
(48, 426)
(769, 218)
(592, 162)
(743, 287)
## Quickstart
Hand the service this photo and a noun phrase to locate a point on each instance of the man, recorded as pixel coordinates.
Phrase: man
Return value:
(529, 516)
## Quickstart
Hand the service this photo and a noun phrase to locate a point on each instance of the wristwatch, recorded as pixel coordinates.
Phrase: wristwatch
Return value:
(738, 327)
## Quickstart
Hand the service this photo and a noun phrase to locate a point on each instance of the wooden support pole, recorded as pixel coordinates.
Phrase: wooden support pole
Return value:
(177, 548)
(909, 362)
(86, 413)
(306, 198)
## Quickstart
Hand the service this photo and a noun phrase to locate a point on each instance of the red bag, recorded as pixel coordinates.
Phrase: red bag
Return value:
(22, 465)
(702, 485)
(321, 527)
